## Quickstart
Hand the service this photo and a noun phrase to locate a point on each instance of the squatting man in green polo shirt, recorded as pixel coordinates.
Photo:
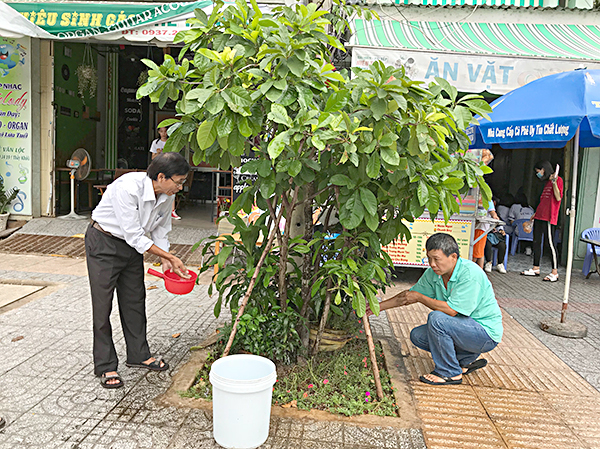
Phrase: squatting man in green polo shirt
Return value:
(465, 320)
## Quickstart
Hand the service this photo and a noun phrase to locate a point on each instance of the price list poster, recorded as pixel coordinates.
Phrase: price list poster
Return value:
(413, 253)
(15, 121)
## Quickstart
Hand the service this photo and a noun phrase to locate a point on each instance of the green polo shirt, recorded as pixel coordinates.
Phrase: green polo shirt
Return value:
(469, 292)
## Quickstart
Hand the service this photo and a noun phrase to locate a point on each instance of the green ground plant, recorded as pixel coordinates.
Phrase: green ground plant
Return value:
(340, 383)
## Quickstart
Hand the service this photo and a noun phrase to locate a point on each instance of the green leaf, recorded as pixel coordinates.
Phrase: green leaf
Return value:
(318, 143)
(279, 115)
(372, 222)
(352, 212)
(223, 255)
(206, 134)
(373, 166)
(277, 145)
(295, 168)
(200, 95)
(264, 168)
(453, 183)
(168, 122)
(336, 101)
(390, 156)
(422, 193)
(368, 200)
(244, 127)
(341, 180)
(378, 107)
(388, 139)
(484, 168)
(215, 104)
(225, 125)
(296, 66)
(175, 142)
(238, 99)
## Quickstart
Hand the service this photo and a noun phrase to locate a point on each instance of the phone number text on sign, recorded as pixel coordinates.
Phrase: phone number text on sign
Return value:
(150, 32)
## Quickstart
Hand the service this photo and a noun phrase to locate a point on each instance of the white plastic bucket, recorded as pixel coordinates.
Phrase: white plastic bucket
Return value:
(242, 392)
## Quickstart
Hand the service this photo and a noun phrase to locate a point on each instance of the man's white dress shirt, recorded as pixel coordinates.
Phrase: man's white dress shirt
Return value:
(129, 209)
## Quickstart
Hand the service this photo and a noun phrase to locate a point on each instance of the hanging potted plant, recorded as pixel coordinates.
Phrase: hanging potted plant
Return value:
(87, 75)
(5, 199)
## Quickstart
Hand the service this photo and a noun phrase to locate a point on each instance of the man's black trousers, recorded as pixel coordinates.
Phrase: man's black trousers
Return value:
(113, 264)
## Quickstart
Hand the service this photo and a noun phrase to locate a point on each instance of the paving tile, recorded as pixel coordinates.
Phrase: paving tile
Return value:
(361, 436)
(519, 433)
(580, 413)
(501, 376)
(456, 400)
(450, 430)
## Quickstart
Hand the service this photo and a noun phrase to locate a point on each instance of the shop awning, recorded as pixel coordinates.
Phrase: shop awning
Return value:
(497, 57)
(14, 24)
(111, 21)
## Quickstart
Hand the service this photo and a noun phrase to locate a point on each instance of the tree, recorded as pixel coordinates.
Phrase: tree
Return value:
(372, 151)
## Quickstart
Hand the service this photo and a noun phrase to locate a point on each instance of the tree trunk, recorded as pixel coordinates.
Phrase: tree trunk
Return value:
(373, 356)
(308, 271)
(324, 316)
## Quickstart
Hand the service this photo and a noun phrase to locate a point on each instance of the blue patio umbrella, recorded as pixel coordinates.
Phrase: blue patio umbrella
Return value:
(547, 113)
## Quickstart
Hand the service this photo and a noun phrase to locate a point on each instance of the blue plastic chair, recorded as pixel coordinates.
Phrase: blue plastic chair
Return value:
(592, 234)
(519, 234)
(495, 254)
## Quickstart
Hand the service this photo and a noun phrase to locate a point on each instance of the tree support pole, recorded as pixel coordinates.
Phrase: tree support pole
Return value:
(373, 356)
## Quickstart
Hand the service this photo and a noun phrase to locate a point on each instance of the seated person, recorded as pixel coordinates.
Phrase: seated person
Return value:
(481, 228)
(465, 319)
(503, 204)
(496, 239)
(521, 210)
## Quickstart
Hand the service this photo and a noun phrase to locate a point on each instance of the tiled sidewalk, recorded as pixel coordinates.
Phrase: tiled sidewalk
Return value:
(51, 399)
(526, 397)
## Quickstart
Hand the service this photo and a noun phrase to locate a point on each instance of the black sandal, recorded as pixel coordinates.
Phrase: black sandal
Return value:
(154, 366)
(104, 381)
(474, 366)
(446, 380)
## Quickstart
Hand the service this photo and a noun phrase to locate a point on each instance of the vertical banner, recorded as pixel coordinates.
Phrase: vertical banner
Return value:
(15, 120)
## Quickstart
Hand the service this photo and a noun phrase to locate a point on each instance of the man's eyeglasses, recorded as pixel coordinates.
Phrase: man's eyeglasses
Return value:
(180, 183)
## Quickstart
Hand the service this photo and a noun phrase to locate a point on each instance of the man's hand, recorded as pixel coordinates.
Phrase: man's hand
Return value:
(553, 177)
(406, 298)
(176, 266)
(501, 231)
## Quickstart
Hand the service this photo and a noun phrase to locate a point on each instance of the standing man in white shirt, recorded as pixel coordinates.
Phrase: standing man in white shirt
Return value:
(134, 205)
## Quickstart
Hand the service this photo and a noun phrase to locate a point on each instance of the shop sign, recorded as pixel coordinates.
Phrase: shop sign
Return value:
(72, 20)
(468, 73)
(15, 120)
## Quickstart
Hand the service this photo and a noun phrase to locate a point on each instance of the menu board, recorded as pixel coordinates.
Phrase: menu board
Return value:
(413, 254)
(240, 178)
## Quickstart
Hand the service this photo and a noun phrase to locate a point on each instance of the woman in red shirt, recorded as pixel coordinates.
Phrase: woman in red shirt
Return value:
(546, 218)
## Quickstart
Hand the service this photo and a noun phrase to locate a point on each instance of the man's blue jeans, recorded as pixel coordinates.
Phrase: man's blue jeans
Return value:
(454, 341)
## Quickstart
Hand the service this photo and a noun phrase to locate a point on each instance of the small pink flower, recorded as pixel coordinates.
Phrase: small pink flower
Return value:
(345, 373)
(310, 385)
(325, 381)
(367, 393)
(366, 399)
(360, 332)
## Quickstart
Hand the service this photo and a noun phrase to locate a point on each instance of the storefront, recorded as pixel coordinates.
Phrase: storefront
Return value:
(494, 58)
(93, 58)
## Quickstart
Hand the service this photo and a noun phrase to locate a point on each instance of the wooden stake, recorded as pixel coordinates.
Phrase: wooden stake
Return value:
(373, 356)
